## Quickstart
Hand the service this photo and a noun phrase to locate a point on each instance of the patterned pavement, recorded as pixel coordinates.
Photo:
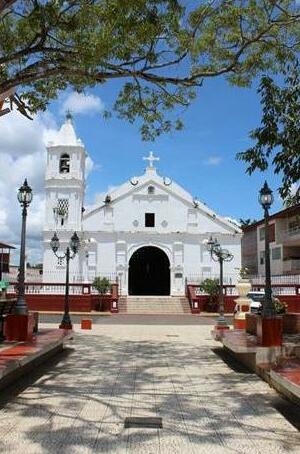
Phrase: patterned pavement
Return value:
(79, 404)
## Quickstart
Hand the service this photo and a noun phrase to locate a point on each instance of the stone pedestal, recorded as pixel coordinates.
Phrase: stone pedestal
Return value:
(218, 332)
(269, 331)
(19, 327)
(243, 304)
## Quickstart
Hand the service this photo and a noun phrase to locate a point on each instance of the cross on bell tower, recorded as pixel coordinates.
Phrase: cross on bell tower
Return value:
(151, 158)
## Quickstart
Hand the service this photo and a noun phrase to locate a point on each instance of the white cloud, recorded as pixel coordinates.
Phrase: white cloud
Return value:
(213, 160)
(295, 186)
(81, 103)
(22, 155)
(89, 166)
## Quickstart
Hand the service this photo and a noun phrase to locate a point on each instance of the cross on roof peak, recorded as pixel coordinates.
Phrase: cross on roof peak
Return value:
(69, 115)
(151, 158)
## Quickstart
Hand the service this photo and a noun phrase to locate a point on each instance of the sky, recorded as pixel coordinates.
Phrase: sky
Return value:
(201, 158)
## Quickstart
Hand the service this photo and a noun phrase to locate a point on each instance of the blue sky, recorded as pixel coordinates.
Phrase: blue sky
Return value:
(201, 157)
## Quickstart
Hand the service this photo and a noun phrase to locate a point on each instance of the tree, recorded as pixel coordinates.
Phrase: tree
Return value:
(292, 199)
(211, 287)
(246, 222)
(278, 137)
(161, 50)
(101, 284)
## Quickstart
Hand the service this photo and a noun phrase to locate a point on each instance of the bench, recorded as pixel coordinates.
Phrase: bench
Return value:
(6, 307)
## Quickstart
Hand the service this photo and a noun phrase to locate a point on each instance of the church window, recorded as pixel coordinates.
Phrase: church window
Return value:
(151, 190)
(62, 210)
(149, 220)
(64, 163)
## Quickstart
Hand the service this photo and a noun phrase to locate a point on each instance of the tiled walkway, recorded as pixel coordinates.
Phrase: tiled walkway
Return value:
(113, 372)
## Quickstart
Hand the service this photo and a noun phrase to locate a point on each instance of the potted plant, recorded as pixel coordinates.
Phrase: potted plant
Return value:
(211, 287)
(102, 285)
(280, 306)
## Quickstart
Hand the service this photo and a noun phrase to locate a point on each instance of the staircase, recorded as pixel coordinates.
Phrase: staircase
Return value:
(154, 305)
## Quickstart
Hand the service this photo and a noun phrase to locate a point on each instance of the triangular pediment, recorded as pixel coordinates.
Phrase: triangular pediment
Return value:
(138, 188)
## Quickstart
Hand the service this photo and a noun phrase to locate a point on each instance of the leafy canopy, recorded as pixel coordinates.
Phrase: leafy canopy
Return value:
(278, 137)
(161, 49)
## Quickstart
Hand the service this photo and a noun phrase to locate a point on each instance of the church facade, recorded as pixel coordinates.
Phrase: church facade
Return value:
(149, 233)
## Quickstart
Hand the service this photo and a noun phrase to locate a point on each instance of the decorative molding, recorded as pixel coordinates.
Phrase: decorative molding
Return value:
(134, 181)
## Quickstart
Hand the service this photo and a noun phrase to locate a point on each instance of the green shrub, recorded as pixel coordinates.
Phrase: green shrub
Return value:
(101, 284)
(211, 287)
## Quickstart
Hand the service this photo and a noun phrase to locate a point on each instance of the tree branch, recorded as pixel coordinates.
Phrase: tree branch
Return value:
(5, 4)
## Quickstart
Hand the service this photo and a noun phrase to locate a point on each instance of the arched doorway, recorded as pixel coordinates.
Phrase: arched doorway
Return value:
(149, 272)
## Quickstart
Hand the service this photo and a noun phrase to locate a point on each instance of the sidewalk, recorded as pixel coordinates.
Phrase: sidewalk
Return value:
(18, 358)
(171, 372)
(84, 314)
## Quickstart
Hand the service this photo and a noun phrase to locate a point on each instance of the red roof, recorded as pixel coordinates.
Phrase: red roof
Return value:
(286, 213)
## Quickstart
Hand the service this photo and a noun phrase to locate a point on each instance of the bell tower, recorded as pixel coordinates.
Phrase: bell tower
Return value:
(65, 187)
(65, 180)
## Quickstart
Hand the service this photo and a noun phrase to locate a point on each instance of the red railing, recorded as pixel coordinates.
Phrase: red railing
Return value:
(82, 297)
(199, 300)
(279, 289)
(55, 288)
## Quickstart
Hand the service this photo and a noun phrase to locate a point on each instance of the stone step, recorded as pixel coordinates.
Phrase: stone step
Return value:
(154, 305)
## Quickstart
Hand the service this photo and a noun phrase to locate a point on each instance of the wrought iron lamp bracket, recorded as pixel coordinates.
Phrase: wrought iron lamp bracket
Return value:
(60, 258)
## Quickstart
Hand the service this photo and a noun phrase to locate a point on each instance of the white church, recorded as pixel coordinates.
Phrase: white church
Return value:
(149, 233)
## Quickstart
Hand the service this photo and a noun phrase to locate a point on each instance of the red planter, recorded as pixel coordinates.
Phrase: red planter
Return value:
(269, 331)
(86, 323)
(19, 327)
(239, 323)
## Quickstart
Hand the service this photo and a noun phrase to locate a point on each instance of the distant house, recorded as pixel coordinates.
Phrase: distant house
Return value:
(284, 243)
(4, 258)
(31, 274)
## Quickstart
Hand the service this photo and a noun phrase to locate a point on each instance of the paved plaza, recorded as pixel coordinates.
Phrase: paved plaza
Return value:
(78, 403)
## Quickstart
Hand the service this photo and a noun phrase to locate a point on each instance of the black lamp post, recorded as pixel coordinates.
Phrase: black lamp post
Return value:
(266, 199)
(1, 261)
(70, 253)
(219, 255)
(25, 198)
